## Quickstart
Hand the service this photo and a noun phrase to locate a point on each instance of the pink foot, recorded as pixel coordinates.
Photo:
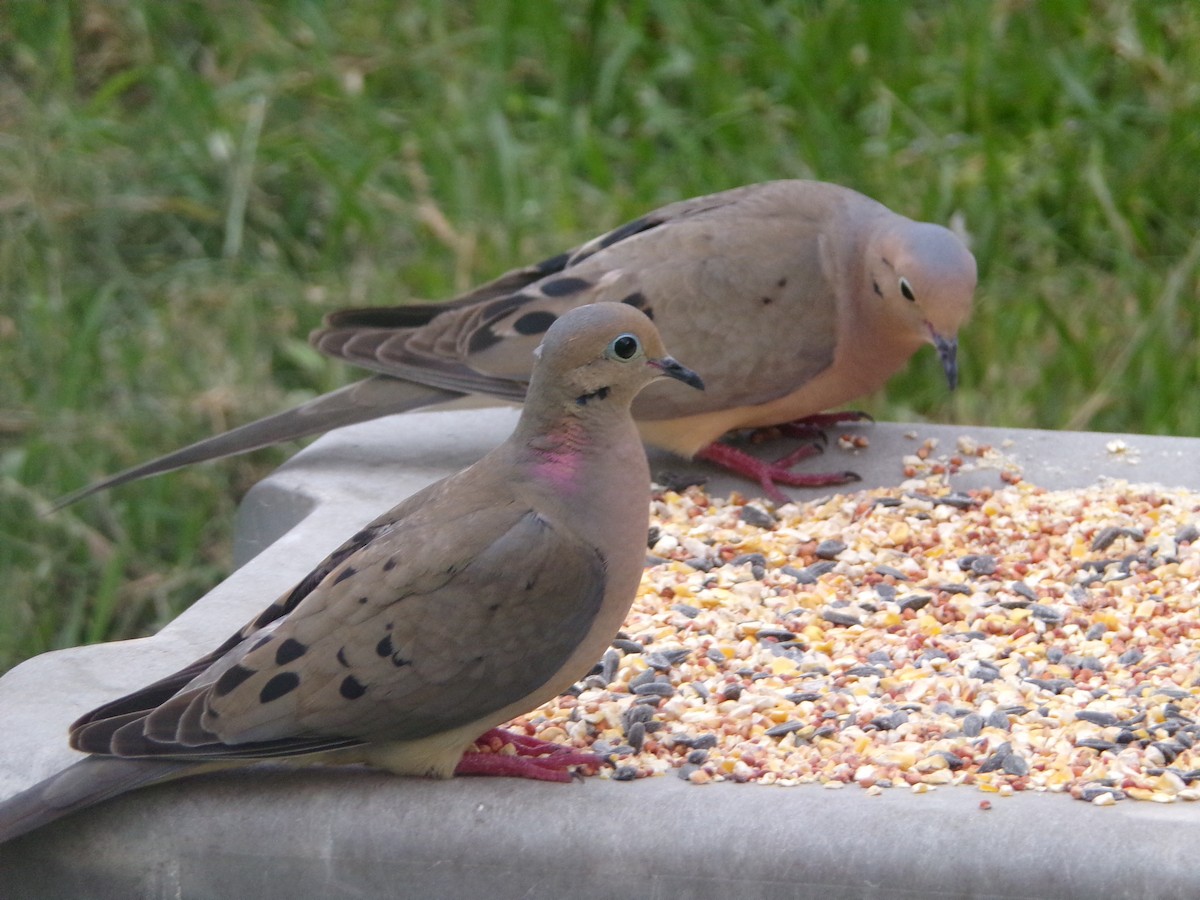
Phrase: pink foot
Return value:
(804, 451)
(771, 474)
(534, 758)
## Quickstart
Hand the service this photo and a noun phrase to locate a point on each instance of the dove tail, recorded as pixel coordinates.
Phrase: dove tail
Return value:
(88, 782)
(371, 398)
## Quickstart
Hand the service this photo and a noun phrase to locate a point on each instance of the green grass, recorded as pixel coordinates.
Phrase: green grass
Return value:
(187, 187)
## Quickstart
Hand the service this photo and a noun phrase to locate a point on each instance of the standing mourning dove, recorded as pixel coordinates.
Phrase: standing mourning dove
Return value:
(796, 296)
(473, 601)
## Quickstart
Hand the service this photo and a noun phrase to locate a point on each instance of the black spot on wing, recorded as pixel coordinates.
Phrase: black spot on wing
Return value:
(234, 676)
(553, 264)
(305, 587)
(386, 648)
(352, 688)
(629, 229)
(482, 339)
(534, 322)
(486, 336)
(289, 650)
(638, 301)
(348, 572)
(499, 308)
(561, 287)
(390, 564)
(282, 684)
(274, 611)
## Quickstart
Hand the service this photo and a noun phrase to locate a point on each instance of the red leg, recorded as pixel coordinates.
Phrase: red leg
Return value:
(534, 758)
(502, 765)
(769, 474)
(525, 745)
(804, 451)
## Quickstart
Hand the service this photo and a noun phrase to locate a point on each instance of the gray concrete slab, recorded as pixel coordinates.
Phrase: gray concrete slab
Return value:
(360, 833)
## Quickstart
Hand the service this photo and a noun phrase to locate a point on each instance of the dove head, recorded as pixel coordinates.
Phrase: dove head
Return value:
(925, 276)
(603, 352)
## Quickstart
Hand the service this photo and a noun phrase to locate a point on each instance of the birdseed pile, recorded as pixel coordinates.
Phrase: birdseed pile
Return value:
(1013, 639)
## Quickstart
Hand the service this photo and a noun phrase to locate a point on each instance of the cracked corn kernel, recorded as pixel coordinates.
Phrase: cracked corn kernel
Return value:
(774, 684)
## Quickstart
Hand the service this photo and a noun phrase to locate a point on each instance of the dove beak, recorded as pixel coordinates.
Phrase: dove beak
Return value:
(672, 369)
(947, 349)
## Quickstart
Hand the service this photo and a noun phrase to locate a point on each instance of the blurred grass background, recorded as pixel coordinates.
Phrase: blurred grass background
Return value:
(187, 187)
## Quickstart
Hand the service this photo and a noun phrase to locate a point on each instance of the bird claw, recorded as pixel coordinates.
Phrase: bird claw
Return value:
(532, 758)
(804, 451)
(770, 475)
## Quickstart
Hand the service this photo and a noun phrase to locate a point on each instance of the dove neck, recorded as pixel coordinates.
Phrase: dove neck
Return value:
(561, 442)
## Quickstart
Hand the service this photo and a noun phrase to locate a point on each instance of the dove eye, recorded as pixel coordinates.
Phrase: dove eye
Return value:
(906, 289)
(624, 347)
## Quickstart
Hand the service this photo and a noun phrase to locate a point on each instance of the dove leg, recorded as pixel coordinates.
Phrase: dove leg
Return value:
(524, 744)
(770, 474)
(541, 768)
(535, 759)
(804, 451)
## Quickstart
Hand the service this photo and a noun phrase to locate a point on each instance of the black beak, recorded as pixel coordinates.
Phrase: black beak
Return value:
(947, 349)
(674, 370)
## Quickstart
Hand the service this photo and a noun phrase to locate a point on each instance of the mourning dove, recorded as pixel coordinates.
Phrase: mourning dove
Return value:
(795, 296)
(473, 601)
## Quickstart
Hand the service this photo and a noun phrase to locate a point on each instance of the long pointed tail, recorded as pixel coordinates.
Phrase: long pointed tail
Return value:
(372, 398)
(88, 782)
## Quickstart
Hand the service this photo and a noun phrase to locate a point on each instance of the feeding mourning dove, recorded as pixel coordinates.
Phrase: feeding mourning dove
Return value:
(795, 296)
(473, 601)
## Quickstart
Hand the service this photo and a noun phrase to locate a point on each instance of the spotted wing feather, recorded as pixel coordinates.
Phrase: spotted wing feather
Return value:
(683, 257)
(395, 640)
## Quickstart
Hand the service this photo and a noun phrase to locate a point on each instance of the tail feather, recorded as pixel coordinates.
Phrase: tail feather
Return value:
(88, 782)
(371, 398)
